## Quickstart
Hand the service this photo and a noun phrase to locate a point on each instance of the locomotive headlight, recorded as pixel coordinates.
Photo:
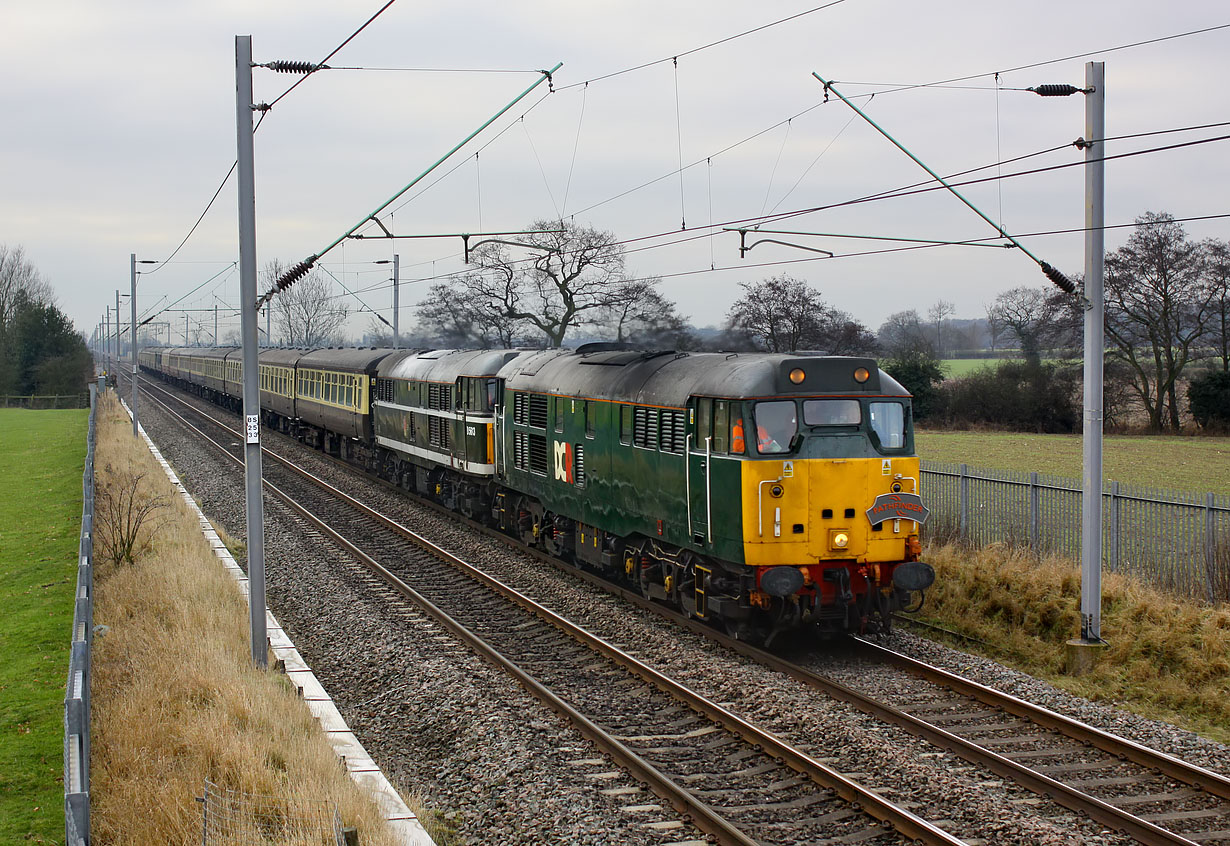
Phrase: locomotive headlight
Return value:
(862, 375)
(839, 540)
(797, 376)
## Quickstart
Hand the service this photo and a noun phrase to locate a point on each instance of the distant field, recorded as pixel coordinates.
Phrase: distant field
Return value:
(42, 455)
(955, 368)
(1175, 462)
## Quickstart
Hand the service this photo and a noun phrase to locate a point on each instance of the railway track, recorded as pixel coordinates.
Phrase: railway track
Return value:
(731, 779)
(1152, 797)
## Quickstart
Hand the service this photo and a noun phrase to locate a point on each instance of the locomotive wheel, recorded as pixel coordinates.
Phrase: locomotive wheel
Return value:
(554, 534)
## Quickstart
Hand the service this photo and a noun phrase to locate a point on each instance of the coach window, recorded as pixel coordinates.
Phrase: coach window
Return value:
(591, 418)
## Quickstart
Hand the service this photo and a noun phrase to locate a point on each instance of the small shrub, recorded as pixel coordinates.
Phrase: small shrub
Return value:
(128, 515)
(1208, 399)
(1016, 395)
(921, 374)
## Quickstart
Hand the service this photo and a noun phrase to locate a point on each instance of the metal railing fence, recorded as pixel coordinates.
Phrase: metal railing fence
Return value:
(77, 689)
(1178, 542)
(45, 401)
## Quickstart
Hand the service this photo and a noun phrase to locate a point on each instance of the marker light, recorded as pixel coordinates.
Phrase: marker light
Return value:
(861, 375)
(796, 376)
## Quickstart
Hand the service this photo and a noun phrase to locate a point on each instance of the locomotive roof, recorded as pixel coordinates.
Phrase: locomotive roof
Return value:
(668, 378)
(446, 365)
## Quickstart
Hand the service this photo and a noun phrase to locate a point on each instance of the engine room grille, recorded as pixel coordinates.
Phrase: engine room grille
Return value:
(437, 397)
(645, 427)
(384, 390)
(674, 431)
(538, 454)
(437, 432)
(530, 452)
(539, 403)
(578, 465)
(520, 451)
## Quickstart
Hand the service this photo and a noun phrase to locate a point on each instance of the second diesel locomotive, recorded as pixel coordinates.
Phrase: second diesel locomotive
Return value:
(762, 492)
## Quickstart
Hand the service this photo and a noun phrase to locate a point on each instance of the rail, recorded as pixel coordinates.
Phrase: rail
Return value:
(77, 689)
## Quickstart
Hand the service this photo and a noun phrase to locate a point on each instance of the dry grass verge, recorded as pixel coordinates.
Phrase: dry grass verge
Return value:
(176, 699)
(1168, 658)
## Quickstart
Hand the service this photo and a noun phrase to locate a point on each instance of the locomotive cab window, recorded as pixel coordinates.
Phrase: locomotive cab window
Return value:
(721, 426)
(888, 421)
(776, 425)
(704, 422)
(832, 412)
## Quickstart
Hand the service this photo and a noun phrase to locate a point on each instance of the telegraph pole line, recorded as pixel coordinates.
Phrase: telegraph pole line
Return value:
(248, 308)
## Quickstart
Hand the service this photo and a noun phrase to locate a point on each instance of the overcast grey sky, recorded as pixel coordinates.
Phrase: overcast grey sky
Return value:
(120, 125)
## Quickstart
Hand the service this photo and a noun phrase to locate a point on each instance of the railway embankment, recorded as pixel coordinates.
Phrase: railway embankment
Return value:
(176, 699)
(1168, 658)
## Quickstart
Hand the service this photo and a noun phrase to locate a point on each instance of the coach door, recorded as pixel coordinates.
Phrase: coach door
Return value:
(699, 452)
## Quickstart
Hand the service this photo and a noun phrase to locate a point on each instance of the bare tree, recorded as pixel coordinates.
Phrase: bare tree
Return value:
(995, 326)
(1217, 256)
(1158, 305)
(1037, 318)
(643, 316)
(19, 276)
(572, 275)
(938, 314)
(841, 334)
(903, 334)
(780, 314)
(307, 314)
(451, 317)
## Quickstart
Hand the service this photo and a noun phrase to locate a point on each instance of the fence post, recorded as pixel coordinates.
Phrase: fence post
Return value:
(1034, 533)
(1114, 527)
(1210, 545)
(964, 502)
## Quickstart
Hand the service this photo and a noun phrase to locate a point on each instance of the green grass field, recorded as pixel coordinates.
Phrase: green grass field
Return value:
(42, 456)
(955, 368)
(1174, 462)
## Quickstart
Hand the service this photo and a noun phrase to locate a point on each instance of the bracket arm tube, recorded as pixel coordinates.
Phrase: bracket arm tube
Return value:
(828, 86)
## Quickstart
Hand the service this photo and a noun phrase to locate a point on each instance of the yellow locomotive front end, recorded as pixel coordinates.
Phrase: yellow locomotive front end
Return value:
(831, 511)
